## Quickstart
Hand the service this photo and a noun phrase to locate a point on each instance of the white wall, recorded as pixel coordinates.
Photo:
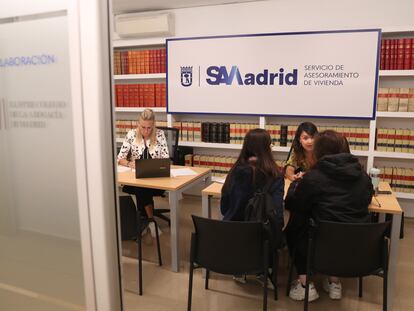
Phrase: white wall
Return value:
(294, 15)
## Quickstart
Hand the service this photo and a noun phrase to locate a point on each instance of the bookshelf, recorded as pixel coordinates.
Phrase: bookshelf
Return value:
(370, 157)
(396, 115)
(396, 73)
(140, 109)
(140, 77)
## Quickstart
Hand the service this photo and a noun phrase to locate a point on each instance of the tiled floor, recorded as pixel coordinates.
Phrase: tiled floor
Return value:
(166, 290)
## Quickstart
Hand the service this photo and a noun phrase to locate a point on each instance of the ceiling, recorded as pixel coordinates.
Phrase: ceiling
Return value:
(125, 6)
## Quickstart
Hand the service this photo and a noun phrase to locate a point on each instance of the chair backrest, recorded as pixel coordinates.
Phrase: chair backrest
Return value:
(229, 247)
(349, 250)
(171, 134)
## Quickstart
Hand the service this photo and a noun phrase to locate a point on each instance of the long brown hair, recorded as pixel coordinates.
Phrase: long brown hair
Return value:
(329, 142)
(257, 144)
(297, 147)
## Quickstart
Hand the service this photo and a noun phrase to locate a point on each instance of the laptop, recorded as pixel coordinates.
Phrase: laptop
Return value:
(148, 168)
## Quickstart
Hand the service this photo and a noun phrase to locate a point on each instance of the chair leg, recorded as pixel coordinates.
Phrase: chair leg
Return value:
(385, 289)
(162, 216)
(139, 265)
(274, 274)
(360, 287)
(190, 286)
(206, 280)
(306, 301)
(266, 276)
(158, 242)
(290, 274)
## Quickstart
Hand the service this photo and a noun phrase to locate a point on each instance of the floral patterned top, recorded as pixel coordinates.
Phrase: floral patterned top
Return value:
(292, 161)
(157, 151)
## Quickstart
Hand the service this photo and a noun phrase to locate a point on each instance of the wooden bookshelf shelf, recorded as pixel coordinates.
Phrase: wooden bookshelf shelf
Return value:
(198, 144)
(146, 42)
(388, 114)
(140, 109)
(396, 73)
(394, 155)
(360, 153)
(280, 149)
(149, 76)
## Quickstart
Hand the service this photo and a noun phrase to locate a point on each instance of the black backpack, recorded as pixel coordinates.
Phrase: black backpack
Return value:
(261, 208)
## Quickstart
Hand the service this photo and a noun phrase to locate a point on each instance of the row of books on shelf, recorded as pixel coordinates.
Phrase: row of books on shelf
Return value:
(219, 165)
(141, 95)
(281, 135)
(400, 179)
(397, 54)
(358, 137)
(123, 126)
(395, 140)
(395, 99)
(140, 61)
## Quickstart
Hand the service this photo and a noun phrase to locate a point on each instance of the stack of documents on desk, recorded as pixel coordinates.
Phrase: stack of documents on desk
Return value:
(121, 169)
(175, 172)
(220, 180)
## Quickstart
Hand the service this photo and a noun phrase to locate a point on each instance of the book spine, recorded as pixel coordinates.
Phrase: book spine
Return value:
(383, 99)
(283, 135)
(400, 54)
(205, 132)
(387, 56)
(393, 99)
(407, 53)
(382, 61)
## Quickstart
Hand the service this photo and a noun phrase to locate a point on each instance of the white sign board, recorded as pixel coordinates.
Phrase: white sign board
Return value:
(311, 74)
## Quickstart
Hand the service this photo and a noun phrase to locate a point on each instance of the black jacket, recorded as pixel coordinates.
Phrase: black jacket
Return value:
(242, 187)
(336, 189)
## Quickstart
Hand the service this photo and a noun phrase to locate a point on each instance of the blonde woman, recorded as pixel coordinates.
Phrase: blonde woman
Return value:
(144, 142)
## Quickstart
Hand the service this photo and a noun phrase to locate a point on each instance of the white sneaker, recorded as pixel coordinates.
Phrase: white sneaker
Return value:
(334, 289)
(260, 279)
(144, 231)
(151, 227)
(297, 291)
(240, 278)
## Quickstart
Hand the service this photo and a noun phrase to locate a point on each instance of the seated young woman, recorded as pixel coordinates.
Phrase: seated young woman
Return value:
(336, 189)
(301, 157)
(253, 169)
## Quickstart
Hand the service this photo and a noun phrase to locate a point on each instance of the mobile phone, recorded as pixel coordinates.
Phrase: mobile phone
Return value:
(384, 192)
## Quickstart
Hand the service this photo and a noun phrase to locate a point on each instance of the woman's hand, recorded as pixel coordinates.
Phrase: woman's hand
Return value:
(298, 176)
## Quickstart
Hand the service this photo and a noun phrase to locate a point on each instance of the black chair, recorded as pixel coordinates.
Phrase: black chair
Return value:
(143, 221)
(132, 224)
(171, 135)
(348, 250)
(230, 247)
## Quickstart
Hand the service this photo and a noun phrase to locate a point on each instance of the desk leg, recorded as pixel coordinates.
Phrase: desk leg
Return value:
(206, 212)
(392, 263)
(175, 260)
(206, 206)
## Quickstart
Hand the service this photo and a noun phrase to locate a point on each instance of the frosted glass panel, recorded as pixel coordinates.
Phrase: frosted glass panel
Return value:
(40, 258)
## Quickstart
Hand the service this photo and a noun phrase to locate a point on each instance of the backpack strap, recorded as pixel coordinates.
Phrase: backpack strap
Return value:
(268, 185)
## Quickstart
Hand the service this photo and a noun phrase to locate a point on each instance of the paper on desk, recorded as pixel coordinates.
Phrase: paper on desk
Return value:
(121, 169)
(175, 172)
(220, 180)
